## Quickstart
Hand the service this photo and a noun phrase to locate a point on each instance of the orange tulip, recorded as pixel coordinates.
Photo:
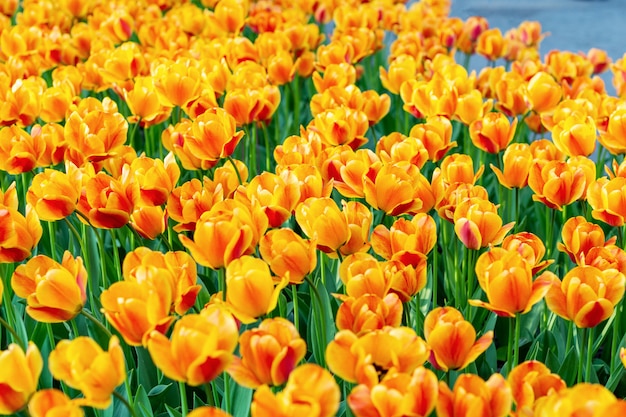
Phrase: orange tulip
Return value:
(556, 183)
(477, 223)
(269, 354)
(544, 92)
(53, 194)
(491, 44)
(187, 202)
(321, 220)
(510, 94)
(579, 236)
(143, 103)
(201, 347)
(493, 132)
(155, 178)
(613, 138)
(607, 197)
(227, 231)
(148, 221)
(19, 376)
(18, 234)
(368, 358)
(472, 396)
(580, 400)
(402, 68)
(399, 394)
(107, 202)
(368, 312)
(418, 235)
(338, 74)
(214, 135)
(575, 135)
(341, 126)
(454, 168)
(82, 364)
(208, 412)
(530, 381)
(406, 280)
(471, 106)
(607, 257)
(587, 295)
(136, 308)
(310, 391)
(424, 99)
(399, 188)
(176, 83)
(19, 151)
(507, 282)
(435, 135)
(51, 402)
(346, 168)
(362, 274)
(517, 161)
(453, 339)
(177, 267)
(530, 247)
(359, 219)
(54, 292)
(288, 255)
(396, 147)
(251, 290)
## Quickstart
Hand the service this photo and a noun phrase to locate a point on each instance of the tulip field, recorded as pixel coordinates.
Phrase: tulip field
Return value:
(275, 208)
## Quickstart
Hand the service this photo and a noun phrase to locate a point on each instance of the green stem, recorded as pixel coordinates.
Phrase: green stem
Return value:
(96, 322)
(435, 271)
(295, 84)
(570, 334)
(296, 315)
(266, 139)
(222, 282)
(124, 401)
(616, 337)
(227, 406)
(103, 262)
(50, 336)
(232, 162)
(580, 335)
(183, 399)
(52, 237)
(116, 256)
(209, 394)
(16, 338)
(516, 342)
(588, 365)
(509, 350)
(74, 328)
(320, 320)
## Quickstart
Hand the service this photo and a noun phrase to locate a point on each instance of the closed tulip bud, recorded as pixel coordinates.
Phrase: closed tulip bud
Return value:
(544, 92)
(587, 296)
(82, 364)
(453, 339)
(288, 255)
(517, 161)
(310, 391)
(148, 221)
(53, 194)
(575, 135)
(54, 292)
(53, 402)
(401, 69)
(107, 202)
(251, 290)
(613, 138)
(214, 135)
(368, 312)
(269, 354)
(399, 394)
(472, 396)
(530, 381)
(359, 219)
(201, 347)
(19, 376)
(493, 132)
(507, 282)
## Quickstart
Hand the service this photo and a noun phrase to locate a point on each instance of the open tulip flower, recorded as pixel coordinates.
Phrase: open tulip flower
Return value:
(19, 376)
(200, 348)
(472, 396)
(531, 381)
(19, 234)
(587, 295)
(82, 364)
(54, 292)
(49, 402)
(581, 399)
(605, 196)
(453, 339)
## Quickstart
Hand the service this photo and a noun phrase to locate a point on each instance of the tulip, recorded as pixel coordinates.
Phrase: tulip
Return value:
(453, 339)
(510, 94)
(361, 274)
(396, 147)
(53, 194)
(347, 168)
(607, 257)
(368, 312)
(288, 255)
(53, 402)
(148, 221)
(359, 219)
(368, 358)
(575, 135)
(214, 135)
(187, 202)
(507, 282)
(107, 202)
(322, 221)
(544, 92)
(579, 237)
(517, 161)
(491, 44)
(530, 381)
(435, 135)
(251, 291)
(54, 292)
(310, 391)
(605, 197)
(155, 178)
(397, 395)
(18, 234)
(19, 376)
(201, 347)
(341, 126)
(556, 184)
(472, 396)
(402, 68)
(425, 99)
(580, 400)
(587, 295)
(493, 132)
(477, 223)
(530, 247)
(176, 83)
(399, 188)
(143, 103)
(19, 151)
(269, 354)
(406, 280)
(418, 235)
(229, 230)
(613, 138)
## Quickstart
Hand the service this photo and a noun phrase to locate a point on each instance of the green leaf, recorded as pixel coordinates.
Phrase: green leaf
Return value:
(142, 402)
(569, 367)
(241, 398)
(172, 412)
(158, 390)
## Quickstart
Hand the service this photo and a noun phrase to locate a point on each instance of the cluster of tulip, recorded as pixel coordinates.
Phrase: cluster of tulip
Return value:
(210, 208)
